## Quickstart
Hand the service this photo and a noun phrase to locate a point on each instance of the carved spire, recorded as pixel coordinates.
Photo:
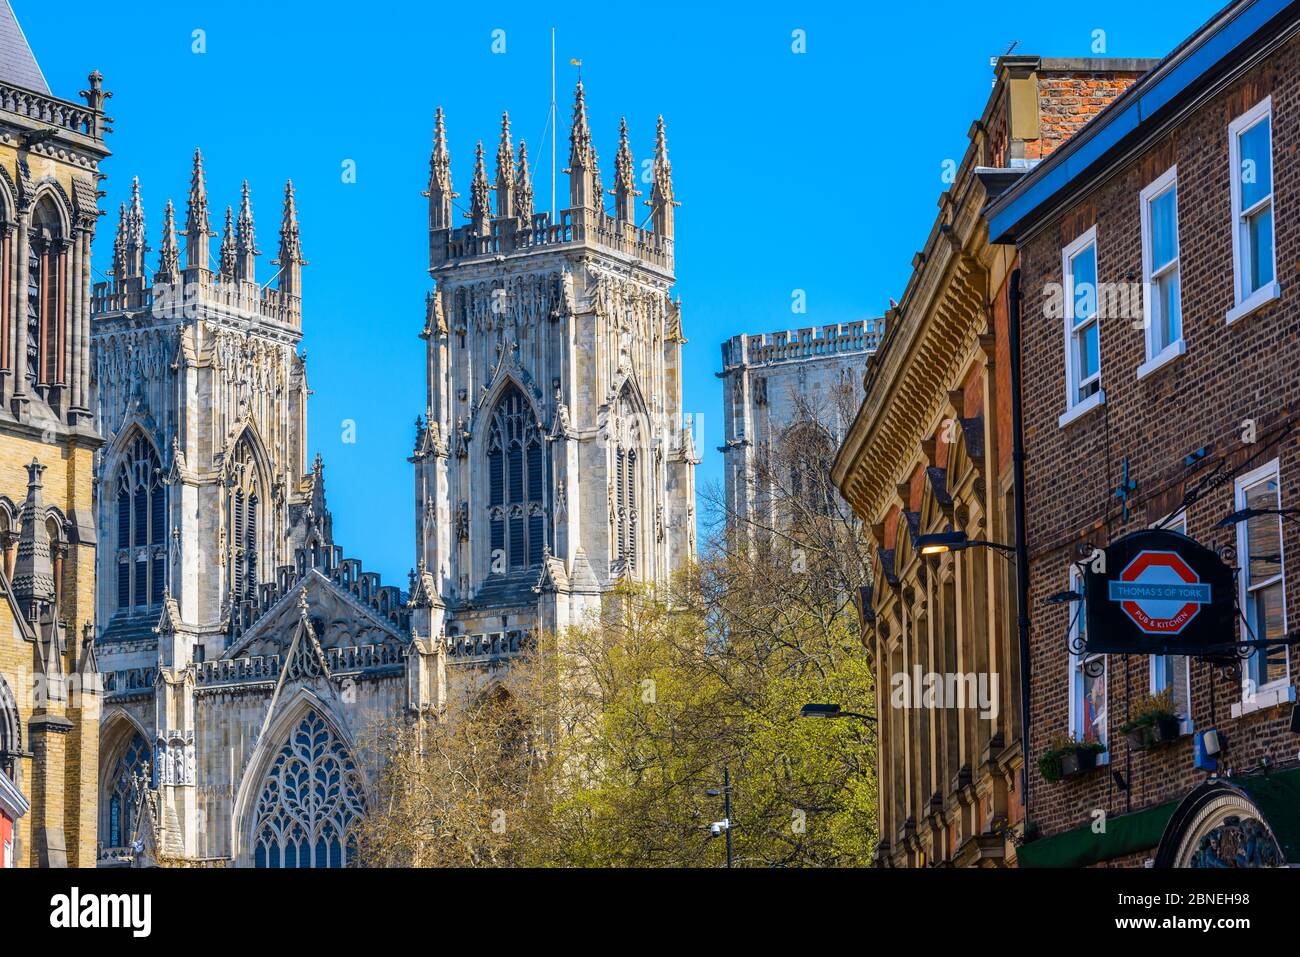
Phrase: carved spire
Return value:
(33, 582)
(661, 194)
(290, 258)
(119, 246)
(478, 194)
(625, 191)
(246, 251)
(440, 192)
(226, 259)
(197, 231)
(134, 244)
(580, 134)
(581, 160)
(169, 258)
(524, 188)
(505, 171)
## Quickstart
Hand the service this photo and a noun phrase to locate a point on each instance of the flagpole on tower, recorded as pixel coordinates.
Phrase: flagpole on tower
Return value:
(552, 124)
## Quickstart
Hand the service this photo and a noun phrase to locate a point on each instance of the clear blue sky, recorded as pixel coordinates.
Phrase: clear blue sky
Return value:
(818, 171)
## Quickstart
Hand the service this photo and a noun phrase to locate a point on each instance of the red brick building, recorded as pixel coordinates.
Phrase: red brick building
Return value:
(929, 451)
(1158, 253)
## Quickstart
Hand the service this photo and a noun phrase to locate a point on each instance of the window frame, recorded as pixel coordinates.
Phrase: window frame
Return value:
(1243, 305)
(1270, 469)
(1170, 523)
(513, 421)
(1075, 406)
(1167, 352)
(1075, 674)
(139, 502)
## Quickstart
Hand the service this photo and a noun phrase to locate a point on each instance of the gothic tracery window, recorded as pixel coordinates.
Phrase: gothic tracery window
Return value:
(516, 478)
(310, 802)
(627, 462)
(121, 803)
(245, 495)
(141, 508)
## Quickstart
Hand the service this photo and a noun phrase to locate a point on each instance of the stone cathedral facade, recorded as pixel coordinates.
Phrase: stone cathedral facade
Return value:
(245, 658)
(553, 459)
(243, 654)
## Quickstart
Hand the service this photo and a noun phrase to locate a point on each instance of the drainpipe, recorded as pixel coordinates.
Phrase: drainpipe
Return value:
(1022, 548)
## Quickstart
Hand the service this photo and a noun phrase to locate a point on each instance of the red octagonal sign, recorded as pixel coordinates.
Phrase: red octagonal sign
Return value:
(1160, 592)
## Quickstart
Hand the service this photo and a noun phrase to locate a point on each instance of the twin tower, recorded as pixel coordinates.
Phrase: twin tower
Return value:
(553, 458)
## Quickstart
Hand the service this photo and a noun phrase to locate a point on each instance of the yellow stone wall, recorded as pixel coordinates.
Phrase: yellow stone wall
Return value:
(60, 777)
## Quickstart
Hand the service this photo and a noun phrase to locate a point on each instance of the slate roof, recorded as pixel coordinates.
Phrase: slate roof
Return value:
(17, 63)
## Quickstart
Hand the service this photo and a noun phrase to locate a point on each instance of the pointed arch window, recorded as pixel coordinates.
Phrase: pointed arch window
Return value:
(140, 504)
(627, 464)
(517, 533)
(11, 740)
(6, 266)
(810, 451)
(310, 803)
(47, 295)
(242, 530)
(120, 804)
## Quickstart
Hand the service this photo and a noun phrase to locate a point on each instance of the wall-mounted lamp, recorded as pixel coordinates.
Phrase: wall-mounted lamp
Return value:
(937, 543)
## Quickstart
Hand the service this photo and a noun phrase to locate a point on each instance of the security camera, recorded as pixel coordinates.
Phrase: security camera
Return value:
(718, 828)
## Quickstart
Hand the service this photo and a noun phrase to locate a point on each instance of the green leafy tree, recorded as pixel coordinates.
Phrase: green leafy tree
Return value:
(598, 749)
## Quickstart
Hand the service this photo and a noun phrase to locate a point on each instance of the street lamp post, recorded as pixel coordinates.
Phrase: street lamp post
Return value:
(830, 711)
(719, 827)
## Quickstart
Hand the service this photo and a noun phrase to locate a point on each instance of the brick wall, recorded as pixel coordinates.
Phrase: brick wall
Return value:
(1230, 373)
(1069, 100)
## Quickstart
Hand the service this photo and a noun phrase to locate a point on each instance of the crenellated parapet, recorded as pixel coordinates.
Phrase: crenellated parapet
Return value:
(844, 338)
(385, 601)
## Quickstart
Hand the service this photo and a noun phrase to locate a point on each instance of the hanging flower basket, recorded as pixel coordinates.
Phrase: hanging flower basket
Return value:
(1154, 722)
(1068, 756)
(1164, 729)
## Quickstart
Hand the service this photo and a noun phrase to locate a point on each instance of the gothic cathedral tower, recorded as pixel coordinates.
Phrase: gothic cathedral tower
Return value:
(202, 397)
(202, 484)
(553, 459)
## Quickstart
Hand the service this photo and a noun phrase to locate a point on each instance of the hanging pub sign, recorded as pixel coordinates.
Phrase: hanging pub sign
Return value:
(1157, 592)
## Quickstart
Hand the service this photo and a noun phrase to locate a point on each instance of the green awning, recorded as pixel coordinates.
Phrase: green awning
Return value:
(1082, 846)
(1275, 793)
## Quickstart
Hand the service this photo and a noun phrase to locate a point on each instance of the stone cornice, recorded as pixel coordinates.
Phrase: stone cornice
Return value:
(910, 381)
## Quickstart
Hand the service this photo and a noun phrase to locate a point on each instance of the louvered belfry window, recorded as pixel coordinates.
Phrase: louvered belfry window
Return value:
(141, 507)
(627, 464)
(242, 525)
(516, 483)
